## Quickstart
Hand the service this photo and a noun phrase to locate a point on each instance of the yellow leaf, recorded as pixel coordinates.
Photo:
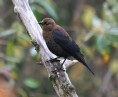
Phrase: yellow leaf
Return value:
(114, 66)
(88, 15)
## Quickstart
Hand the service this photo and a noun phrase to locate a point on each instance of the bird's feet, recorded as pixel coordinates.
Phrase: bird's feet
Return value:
(60, 69)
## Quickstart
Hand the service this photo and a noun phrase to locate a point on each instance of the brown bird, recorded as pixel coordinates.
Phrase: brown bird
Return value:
(60, 43)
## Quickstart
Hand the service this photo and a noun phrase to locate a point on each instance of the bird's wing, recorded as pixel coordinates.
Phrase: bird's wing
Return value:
(69, 45)
(65, 41)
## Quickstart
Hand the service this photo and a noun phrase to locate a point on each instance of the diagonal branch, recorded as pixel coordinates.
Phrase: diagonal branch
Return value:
(60, 80)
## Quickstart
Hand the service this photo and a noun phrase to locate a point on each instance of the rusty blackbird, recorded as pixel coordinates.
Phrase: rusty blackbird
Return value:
(60, 43)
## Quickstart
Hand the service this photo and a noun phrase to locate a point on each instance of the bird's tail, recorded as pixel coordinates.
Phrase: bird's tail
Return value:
(80, 58)
(85, 64)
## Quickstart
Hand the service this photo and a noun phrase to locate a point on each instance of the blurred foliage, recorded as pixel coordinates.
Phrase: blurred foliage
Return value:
(95, 30)
(31, 83)
(43, 7)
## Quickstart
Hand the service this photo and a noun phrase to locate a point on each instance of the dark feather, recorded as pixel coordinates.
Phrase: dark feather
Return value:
(62, 38)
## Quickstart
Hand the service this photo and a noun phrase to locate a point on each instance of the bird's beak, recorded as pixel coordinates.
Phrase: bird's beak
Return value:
(41, 23)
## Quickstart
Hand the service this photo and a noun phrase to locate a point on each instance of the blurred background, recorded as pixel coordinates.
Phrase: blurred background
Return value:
(94, 26)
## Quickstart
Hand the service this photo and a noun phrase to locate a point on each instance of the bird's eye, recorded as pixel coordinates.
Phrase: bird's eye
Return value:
(47, 24)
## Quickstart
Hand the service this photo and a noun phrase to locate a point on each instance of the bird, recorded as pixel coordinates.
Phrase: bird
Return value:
(60, 43)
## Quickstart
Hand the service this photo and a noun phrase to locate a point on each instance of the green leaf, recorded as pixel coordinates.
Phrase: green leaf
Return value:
(31, 83)
(112, 38)
(9, 48)
(102, 42)
(113, 35)
(48, 6)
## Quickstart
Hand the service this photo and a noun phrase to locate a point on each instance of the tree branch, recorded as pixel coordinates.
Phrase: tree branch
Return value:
(60, 80)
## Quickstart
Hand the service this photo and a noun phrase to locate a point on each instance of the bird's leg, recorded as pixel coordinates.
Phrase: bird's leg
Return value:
(63, 63)
(53, 60)
(61, 67)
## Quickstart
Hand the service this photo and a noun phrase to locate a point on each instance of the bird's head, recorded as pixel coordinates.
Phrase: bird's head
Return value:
(47, 24)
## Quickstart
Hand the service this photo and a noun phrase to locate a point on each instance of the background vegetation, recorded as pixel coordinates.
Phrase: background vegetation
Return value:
(92, 23)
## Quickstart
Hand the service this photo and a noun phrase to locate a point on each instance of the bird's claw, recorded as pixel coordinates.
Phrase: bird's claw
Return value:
(60, 69)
